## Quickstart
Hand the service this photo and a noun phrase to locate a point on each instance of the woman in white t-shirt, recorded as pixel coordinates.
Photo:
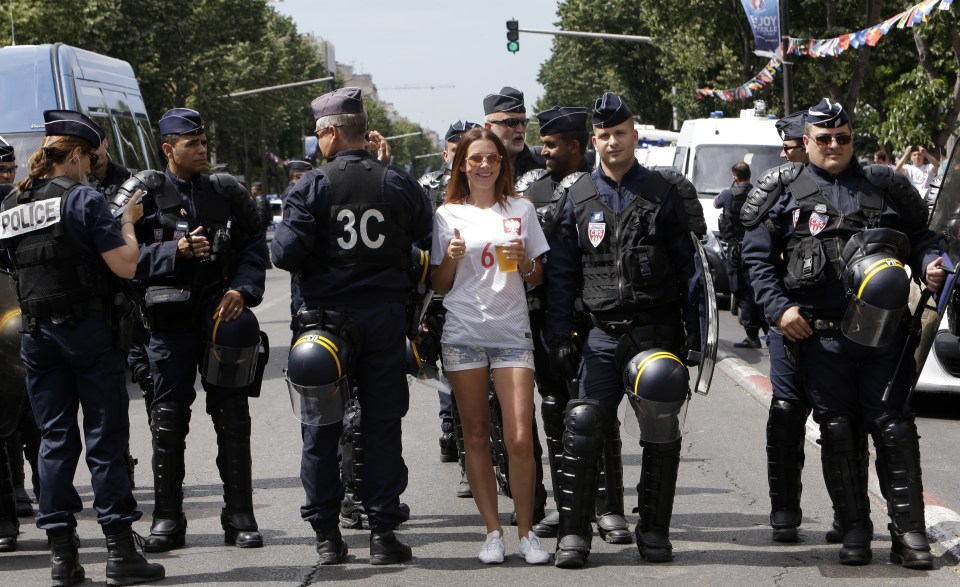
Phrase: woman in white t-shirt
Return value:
(487, 326)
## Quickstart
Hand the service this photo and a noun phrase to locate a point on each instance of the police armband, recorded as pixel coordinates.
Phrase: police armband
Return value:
(688, 201)
(523, 184)
(906, 198)
(765, 194)
(242, 205)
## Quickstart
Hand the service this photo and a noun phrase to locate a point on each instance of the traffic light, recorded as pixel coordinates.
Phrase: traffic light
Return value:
(513, 36)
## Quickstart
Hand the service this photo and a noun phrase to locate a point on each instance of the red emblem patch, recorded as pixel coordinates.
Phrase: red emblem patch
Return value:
(818, 222)
(596, 231)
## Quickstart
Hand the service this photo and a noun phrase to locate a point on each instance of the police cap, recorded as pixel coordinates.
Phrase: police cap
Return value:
(562, 119)
(181, 121)
(792, 127)
(6, 151)
(507, 100)
(340, 101)
(610, 110)
(70, 123)
(827, 114)
(298, 165)
(458, 128)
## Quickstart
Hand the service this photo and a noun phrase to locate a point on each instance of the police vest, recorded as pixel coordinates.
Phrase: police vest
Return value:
(364, 227)
(624, 268)
(52, 276)
(732, 228)
(812, 252)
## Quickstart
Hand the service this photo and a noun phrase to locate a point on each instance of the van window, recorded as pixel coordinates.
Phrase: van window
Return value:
(711, 164)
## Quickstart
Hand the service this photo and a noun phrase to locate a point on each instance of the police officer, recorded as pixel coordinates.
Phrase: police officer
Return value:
(563, 132)
(203, 257)
(803, 222)
(12, 399)
(506, 116)
(66, 249)
(347, 230)
(625, 250)
(730, 201)
(297, 169)
(434, 184)
(263, 206)
(107, 176)
(8, 162)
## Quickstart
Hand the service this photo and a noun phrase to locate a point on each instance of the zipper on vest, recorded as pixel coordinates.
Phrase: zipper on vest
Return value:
(618, 257)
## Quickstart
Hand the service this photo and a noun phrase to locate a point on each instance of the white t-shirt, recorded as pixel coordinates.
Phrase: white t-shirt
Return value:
(487, 307)
(920, 177)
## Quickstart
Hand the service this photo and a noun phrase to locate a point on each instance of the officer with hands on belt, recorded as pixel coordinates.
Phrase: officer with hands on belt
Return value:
(563, 132)
(66, 249)
(624, 249)
(347, 230)
(505, 115)
(826, 244)
(203, 260)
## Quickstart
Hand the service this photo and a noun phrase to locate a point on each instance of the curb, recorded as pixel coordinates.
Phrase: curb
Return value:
(943, 524)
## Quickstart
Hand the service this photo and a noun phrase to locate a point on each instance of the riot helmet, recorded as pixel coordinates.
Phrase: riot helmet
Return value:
(658, 387)
(155, 188)
(418, 365)
(878, 286)
(316, 376)
(230, 349)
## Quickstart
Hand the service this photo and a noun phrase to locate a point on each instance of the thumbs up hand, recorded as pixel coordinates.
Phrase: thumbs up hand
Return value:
(457, 248)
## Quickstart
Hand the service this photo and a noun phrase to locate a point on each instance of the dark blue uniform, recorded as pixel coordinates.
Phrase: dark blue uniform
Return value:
(373, 295)
(76, 363)
(750, 312)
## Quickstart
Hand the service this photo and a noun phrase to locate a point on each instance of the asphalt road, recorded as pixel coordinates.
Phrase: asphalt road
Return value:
(719, 527)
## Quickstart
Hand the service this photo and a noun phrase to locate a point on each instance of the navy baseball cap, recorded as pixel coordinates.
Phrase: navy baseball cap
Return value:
(507, 100)
(827, 114)
(562, 119)
(458, 128)
(341, 101)
(70, 123)
(610, 110)
(181, 121)
(6, 151)
(792, 127)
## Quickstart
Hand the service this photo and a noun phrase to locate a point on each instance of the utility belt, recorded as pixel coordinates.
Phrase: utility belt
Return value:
(622, 325)
(823, 325)
(77, 313)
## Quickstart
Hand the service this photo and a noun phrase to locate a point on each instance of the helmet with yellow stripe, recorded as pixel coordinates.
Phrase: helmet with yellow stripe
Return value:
(658, 387)
(231, 349)
(316, 376)
(878, 285)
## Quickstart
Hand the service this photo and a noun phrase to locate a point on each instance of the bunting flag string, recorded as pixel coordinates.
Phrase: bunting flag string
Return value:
(821, 48)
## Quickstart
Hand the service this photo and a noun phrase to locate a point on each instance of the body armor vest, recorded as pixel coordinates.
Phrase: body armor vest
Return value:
(812, 252)
(625, 270)
(365, 227)
(732, 228)
(52, 277)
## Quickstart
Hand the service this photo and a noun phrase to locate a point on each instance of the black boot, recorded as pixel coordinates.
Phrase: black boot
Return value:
(498, 447)
(786, 430)
(352, 514)
(845, 475)
(9, 524)
(231, 421)
(386, 549)
(65, 566)
(656, 490)
(169, 424)
(551, 410)
(900, 476)
(125, 565)
(582, 445)
(611, 524)
(448, 447)
(331, 547)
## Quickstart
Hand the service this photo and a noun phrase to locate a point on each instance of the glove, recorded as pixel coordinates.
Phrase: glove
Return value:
(565, 356)
(691, 343)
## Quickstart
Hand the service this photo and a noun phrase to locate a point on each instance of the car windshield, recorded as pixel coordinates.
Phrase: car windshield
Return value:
(24, 145)
(712, 163)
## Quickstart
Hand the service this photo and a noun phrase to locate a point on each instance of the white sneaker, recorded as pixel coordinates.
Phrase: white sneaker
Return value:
(532, 551)
(493, 549)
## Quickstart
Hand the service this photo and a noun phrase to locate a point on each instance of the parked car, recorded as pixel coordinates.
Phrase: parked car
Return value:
(276, 208)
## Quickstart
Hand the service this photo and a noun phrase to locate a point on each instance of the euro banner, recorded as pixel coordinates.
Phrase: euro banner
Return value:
(764, 17)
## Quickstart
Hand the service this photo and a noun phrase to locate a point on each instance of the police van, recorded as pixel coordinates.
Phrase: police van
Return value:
(708, 147)
(60, 77)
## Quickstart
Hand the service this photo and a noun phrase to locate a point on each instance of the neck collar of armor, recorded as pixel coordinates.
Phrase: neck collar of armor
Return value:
(852, 170)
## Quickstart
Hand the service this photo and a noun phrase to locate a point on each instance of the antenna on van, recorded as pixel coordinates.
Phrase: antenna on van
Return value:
(13, 38)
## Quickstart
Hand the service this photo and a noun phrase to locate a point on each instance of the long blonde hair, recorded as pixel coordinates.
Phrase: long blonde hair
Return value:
(55, 151)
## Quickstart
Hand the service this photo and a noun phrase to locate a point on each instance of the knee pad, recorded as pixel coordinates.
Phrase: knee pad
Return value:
(553, 409)
(584, 425)
(840, 433)
(170, 423)
(897, 430)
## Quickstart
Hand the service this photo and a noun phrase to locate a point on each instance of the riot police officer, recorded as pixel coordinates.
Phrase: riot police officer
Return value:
(347, 230)
(505, 115)
(626, 252)
(563, 132)
(434, 184)
(203, 257)
(66, 249)
(810, 228)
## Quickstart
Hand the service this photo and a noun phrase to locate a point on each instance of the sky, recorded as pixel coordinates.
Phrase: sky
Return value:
(414, 42)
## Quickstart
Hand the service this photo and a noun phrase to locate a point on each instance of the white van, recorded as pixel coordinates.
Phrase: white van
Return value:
(708, 148)
(58, 77)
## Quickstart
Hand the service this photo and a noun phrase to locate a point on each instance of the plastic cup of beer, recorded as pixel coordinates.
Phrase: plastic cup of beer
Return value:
(504, 264)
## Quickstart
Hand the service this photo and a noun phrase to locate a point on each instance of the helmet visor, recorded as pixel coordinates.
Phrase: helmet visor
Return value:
(319, 405)
(869, 325)
(656, 422)
(228, 366)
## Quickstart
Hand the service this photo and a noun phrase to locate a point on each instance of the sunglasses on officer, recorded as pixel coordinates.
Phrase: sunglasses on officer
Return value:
(478, 159)
(824, 141)
(8, 169)
(511, 122)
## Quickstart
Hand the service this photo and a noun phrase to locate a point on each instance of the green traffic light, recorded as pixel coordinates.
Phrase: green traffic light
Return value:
(513, 46)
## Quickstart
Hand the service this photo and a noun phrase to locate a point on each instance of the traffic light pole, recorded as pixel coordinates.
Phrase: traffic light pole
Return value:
(611, 36)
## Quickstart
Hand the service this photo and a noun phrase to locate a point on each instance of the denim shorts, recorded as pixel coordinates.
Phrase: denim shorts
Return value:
(460, 358)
